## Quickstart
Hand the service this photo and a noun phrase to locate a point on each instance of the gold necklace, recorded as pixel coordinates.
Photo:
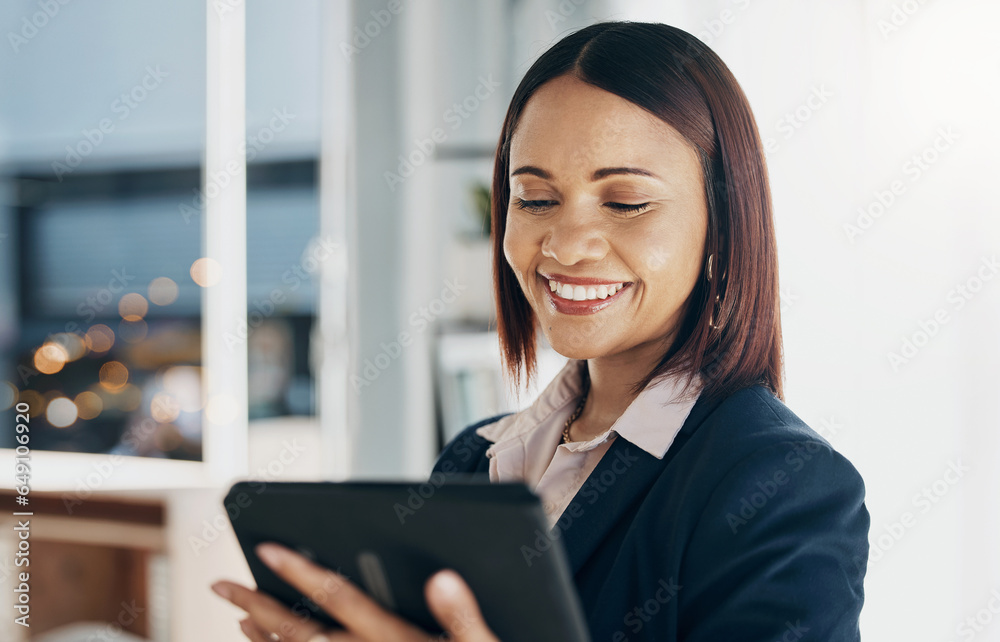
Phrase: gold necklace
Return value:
(579, 409)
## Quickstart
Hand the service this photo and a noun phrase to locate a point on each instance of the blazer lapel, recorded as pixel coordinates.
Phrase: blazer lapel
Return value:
(623, 475)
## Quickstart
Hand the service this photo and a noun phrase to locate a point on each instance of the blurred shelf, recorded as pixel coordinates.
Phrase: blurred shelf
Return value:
(471, 382)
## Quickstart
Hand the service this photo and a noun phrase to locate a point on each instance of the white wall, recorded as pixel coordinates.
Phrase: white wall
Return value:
(848, 303)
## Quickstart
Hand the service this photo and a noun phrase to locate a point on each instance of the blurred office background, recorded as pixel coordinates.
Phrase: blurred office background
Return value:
(176, 319)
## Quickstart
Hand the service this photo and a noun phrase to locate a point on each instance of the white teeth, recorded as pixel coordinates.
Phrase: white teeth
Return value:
(581, 293)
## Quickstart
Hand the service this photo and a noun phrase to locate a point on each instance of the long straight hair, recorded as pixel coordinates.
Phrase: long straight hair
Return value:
(677, 78)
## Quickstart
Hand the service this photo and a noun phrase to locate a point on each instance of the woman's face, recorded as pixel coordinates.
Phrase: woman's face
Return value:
(607, 206)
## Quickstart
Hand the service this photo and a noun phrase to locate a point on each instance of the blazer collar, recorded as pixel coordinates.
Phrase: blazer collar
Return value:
(624, 473)
(653, 434)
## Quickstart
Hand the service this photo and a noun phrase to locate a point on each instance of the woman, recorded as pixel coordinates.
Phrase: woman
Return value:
(633, 226)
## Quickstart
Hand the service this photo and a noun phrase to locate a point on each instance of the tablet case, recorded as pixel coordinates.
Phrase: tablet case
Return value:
(390, 537)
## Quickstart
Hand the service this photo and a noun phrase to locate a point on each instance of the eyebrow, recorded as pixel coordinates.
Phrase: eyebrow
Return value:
(596, 176)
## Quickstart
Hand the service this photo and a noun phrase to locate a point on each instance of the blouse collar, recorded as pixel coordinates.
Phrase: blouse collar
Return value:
(651, 421)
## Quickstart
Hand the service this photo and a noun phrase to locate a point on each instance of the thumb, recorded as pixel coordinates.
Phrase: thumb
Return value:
(456, 609)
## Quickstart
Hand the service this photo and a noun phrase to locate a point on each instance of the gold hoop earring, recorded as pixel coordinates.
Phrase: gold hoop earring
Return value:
(711, 314)
(718, 301)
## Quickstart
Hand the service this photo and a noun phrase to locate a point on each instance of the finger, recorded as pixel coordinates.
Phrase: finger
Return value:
(337, 636)
(336, 595)
(254, 632)
(456, 609)
(269, 614)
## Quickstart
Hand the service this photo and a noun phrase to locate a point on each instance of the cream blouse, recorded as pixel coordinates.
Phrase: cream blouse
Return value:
(527, 445)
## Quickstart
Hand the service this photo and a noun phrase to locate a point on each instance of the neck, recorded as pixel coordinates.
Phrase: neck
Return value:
(611, 382)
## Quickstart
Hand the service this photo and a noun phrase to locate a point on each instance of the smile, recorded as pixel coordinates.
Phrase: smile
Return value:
(572, 292)
(580, 295)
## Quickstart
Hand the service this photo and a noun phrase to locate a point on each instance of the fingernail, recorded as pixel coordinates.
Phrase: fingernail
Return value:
(448, 583)
(222, 590)
(271, 554)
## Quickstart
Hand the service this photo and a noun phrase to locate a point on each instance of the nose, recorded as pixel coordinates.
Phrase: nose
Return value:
(575, 236)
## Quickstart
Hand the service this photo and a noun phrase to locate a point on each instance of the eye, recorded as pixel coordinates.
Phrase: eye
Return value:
(627, 208)
(540, 206)
(532, 206)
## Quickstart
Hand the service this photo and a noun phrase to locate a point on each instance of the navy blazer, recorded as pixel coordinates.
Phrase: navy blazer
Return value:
(752, 528)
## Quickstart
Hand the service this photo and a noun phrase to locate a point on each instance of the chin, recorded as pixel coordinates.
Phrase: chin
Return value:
(575, 347)
(578, 354)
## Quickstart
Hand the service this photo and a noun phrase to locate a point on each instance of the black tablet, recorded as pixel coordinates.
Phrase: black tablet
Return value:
(390, 537)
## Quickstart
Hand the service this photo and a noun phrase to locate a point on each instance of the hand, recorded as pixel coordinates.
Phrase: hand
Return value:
(448, 596)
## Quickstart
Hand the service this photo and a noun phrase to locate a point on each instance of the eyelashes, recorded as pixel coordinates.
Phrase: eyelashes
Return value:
(532, 206)
(537, 207)
(627, 208)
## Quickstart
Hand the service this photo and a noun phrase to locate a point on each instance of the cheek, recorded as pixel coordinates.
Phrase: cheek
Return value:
(518, 247)
(669, 258)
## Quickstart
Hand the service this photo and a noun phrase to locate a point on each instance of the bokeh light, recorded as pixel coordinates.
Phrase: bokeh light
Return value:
(50, 358)
(100, 338)
(164, 408)
(73, 344)
(113, 375)
(35, 401)
(8, 395)
(184, 384)
(206, 272)
(132, 331)
(49, 395)
(127, 398)
(88, 404)
(163, 290)
(133, 306)
(61, 412)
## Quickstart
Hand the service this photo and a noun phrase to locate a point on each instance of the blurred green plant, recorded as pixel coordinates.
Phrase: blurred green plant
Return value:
(480, 193)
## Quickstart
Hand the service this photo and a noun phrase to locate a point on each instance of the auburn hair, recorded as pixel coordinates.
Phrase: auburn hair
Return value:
(677, 78)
